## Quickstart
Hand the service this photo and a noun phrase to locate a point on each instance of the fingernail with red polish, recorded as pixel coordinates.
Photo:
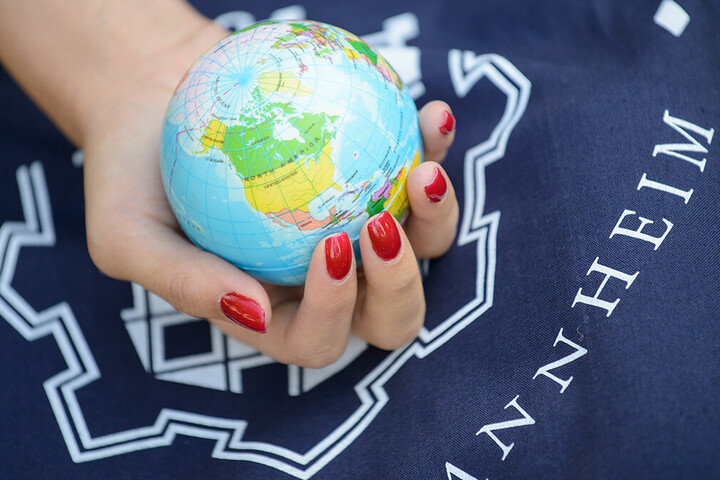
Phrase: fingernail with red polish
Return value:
(448, 124)
(243, 311)
(437, 188)
(384, 236)
(338, 256)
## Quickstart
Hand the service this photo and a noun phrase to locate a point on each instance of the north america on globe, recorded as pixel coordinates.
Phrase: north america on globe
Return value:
(282, 133)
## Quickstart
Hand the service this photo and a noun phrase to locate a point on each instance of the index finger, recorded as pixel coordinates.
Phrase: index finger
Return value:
(437, 126)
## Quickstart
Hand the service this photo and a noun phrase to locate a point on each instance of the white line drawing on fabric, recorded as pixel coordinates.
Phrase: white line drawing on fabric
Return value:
(466, 69)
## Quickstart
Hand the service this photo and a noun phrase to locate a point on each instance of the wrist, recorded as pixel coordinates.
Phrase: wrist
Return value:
(141, 63)
(75, 59)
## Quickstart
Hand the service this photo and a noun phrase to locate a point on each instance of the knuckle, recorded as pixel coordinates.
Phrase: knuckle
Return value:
(96, 250)
(318, 356)
(336, 304)
(432, 238)
(405, 284)
(396, 340)
(438, 248)
(102, 251)
(403, 332)
(181, 291)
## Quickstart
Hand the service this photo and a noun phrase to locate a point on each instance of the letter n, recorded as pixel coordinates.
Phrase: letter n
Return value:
(520, 422)
(545, 370)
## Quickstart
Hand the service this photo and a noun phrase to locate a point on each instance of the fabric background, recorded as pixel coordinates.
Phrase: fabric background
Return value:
(643, 400)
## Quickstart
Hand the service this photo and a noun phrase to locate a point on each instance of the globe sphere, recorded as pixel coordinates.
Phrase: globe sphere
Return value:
(281, 134)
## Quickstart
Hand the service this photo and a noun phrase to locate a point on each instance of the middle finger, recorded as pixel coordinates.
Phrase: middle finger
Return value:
(391, 309)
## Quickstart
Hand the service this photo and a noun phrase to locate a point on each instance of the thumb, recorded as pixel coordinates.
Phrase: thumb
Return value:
(193, 281)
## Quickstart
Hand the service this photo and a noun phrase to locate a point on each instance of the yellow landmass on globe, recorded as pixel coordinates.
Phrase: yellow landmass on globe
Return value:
(283, 82)
(213, 136)
(291, 187)
(399, 203)
(351, 54)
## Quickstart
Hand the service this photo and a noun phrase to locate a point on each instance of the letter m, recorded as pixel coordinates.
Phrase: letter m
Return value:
(490, 429)
(674, 149)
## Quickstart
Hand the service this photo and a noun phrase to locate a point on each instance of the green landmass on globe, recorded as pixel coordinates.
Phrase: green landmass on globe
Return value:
(281, 134)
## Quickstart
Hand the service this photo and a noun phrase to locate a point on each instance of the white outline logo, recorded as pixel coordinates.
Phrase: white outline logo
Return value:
(466, 69)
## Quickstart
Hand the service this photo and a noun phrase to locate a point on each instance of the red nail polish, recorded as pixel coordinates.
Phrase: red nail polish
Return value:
(448, 123)
(437, 188)
(338, 256)
(384, 236)
(244, 311)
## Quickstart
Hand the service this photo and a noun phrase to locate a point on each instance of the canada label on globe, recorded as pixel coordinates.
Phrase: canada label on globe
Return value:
(281, 134)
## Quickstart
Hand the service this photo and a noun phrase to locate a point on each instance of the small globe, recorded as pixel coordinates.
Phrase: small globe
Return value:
(281, 134)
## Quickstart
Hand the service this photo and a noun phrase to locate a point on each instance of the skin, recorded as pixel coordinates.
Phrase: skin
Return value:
(114, 66)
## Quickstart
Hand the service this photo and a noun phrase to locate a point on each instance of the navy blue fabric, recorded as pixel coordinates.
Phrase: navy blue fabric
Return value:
(542, 227)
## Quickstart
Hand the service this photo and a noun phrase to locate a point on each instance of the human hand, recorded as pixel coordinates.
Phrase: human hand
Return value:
(133, 234)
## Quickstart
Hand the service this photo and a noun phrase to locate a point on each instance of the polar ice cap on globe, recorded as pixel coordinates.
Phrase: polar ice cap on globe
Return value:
(282, 133)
